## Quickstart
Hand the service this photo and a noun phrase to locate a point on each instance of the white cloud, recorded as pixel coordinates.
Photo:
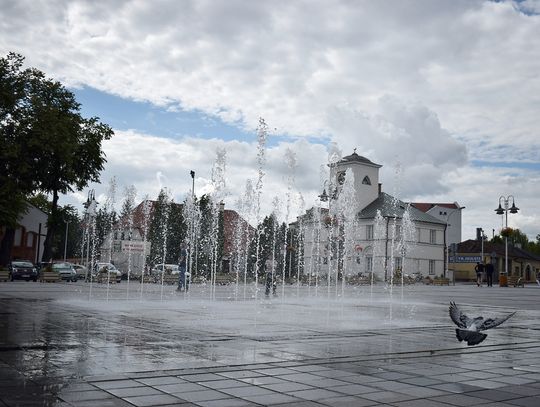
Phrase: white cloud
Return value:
(151, 163)
(428, 85)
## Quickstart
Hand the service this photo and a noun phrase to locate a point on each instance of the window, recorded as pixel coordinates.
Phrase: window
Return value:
(325, 260)
(398, 231)
(17, 239)
(369, 264)
(341, 177)
(30, 239)
(432, 236)
(432, 267)
(369, 232)
(366, 181)
(442, 212)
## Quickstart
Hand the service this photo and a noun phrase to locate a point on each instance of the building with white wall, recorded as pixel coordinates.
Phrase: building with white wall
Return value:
(369, 230)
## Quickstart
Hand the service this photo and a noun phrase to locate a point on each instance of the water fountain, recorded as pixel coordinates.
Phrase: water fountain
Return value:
(329, 235)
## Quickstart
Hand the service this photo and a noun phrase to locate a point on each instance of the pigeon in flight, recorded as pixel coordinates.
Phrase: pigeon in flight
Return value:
(469, 328)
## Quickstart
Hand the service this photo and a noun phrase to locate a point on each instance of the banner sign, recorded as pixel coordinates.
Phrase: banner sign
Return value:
(135, 246)
(465, 259)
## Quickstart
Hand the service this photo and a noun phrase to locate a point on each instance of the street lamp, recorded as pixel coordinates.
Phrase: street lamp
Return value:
(89, 215)
(446, 240)
(503, 209)
(66, 239)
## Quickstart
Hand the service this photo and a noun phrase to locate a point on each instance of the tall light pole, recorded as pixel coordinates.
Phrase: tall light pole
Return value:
(66, 239)
(192, 173)
(324, 197)
(503, 209)
(482, 236)
(446, 239)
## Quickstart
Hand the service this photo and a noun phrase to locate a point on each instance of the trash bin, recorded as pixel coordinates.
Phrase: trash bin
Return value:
(503, 280)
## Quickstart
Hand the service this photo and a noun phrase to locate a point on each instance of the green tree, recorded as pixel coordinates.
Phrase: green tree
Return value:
(16, 170)
(104, 223)
(40, 201)
(47, 145)
(68, 215)
(176, 232)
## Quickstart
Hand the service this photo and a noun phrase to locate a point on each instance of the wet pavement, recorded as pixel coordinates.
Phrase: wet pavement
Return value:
(76, 344)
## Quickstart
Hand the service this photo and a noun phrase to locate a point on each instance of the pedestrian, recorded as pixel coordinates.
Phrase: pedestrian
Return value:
(479, 269)
(489, 274)
(538, 278)
(270, 283)
(182, 262)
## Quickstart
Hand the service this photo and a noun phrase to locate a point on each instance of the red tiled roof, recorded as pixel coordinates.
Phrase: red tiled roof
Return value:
(426, 206)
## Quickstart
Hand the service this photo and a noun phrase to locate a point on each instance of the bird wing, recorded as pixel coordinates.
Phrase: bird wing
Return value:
(493, 322)
(459, 318)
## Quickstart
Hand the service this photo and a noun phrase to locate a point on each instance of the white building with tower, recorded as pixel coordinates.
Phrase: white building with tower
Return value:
(364, 230)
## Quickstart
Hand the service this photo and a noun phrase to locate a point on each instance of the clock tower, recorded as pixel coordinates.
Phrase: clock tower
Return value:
(366, 178)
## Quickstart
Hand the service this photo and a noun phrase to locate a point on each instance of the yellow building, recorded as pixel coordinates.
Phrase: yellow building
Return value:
(520, 262)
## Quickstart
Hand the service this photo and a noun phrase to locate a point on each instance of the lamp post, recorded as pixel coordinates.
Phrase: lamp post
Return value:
(66, 239)
(503, 209)
(324, 197)
(446, 239)
(482, 236)
(90, 215)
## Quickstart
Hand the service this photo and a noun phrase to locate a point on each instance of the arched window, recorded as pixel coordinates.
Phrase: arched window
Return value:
(366, 181)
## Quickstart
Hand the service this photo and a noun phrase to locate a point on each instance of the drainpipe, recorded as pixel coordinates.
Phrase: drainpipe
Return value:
(386, 251)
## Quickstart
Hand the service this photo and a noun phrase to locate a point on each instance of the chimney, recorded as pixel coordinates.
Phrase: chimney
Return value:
(380, 188)
(479, 234)
(221, 206)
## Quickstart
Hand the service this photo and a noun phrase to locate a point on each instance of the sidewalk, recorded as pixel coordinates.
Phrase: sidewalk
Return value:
(62, 345)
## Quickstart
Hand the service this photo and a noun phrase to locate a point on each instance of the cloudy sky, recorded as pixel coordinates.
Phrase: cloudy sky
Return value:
(444, 94)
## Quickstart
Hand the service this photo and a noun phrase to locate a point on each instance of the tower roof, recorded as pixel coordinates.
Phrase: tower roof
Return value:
(358, 159)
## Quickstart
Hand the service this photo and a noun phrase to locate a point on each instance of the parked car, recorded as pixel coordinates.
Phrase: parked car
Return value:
(158, 269)
(22, 270)
(66, 271)
(82, 271)
(107, 267)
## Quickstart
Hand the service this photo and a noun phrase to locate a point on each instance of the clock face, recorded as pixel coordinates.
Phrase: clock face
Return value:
(341, 177)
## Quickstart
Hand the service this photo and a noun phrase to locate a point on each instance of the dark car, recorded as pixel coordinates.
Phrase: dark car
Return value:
(22, 270)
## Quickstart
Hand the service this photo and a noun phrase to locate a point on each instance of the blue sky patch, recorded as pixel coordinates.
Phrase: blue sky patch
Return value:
(507, 164)
(144, 117)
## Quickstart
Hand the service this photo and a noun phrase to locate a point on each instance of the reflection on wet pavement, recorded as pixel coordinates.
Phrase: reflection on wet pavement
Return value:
(61, 344)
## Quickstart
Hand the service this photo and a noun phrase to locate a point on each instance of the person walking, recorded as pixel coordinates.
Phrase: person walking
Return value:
(479, 269)
(182, 262)
(270, 282)
(489, 274)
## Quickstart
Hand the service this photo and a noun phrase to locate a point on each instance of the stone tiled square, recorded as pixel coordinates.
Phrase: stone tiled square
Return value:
(128, 354)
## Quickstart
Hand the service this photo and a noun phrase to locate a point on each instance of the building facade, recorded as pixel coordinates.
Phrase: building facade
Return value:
(30, 233)
(520, 262)
(364, 230)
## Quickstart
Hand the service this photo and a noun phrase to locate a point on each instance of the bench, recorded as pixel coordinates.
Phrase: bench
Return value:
(4, 275)
(225, 279)
(359, 280)
(515, 281)
(49, 277)
(441, 281)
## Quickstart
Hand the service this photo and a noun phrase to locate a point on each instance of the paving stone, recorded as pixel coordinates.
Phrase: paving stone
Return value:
(153, 400)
